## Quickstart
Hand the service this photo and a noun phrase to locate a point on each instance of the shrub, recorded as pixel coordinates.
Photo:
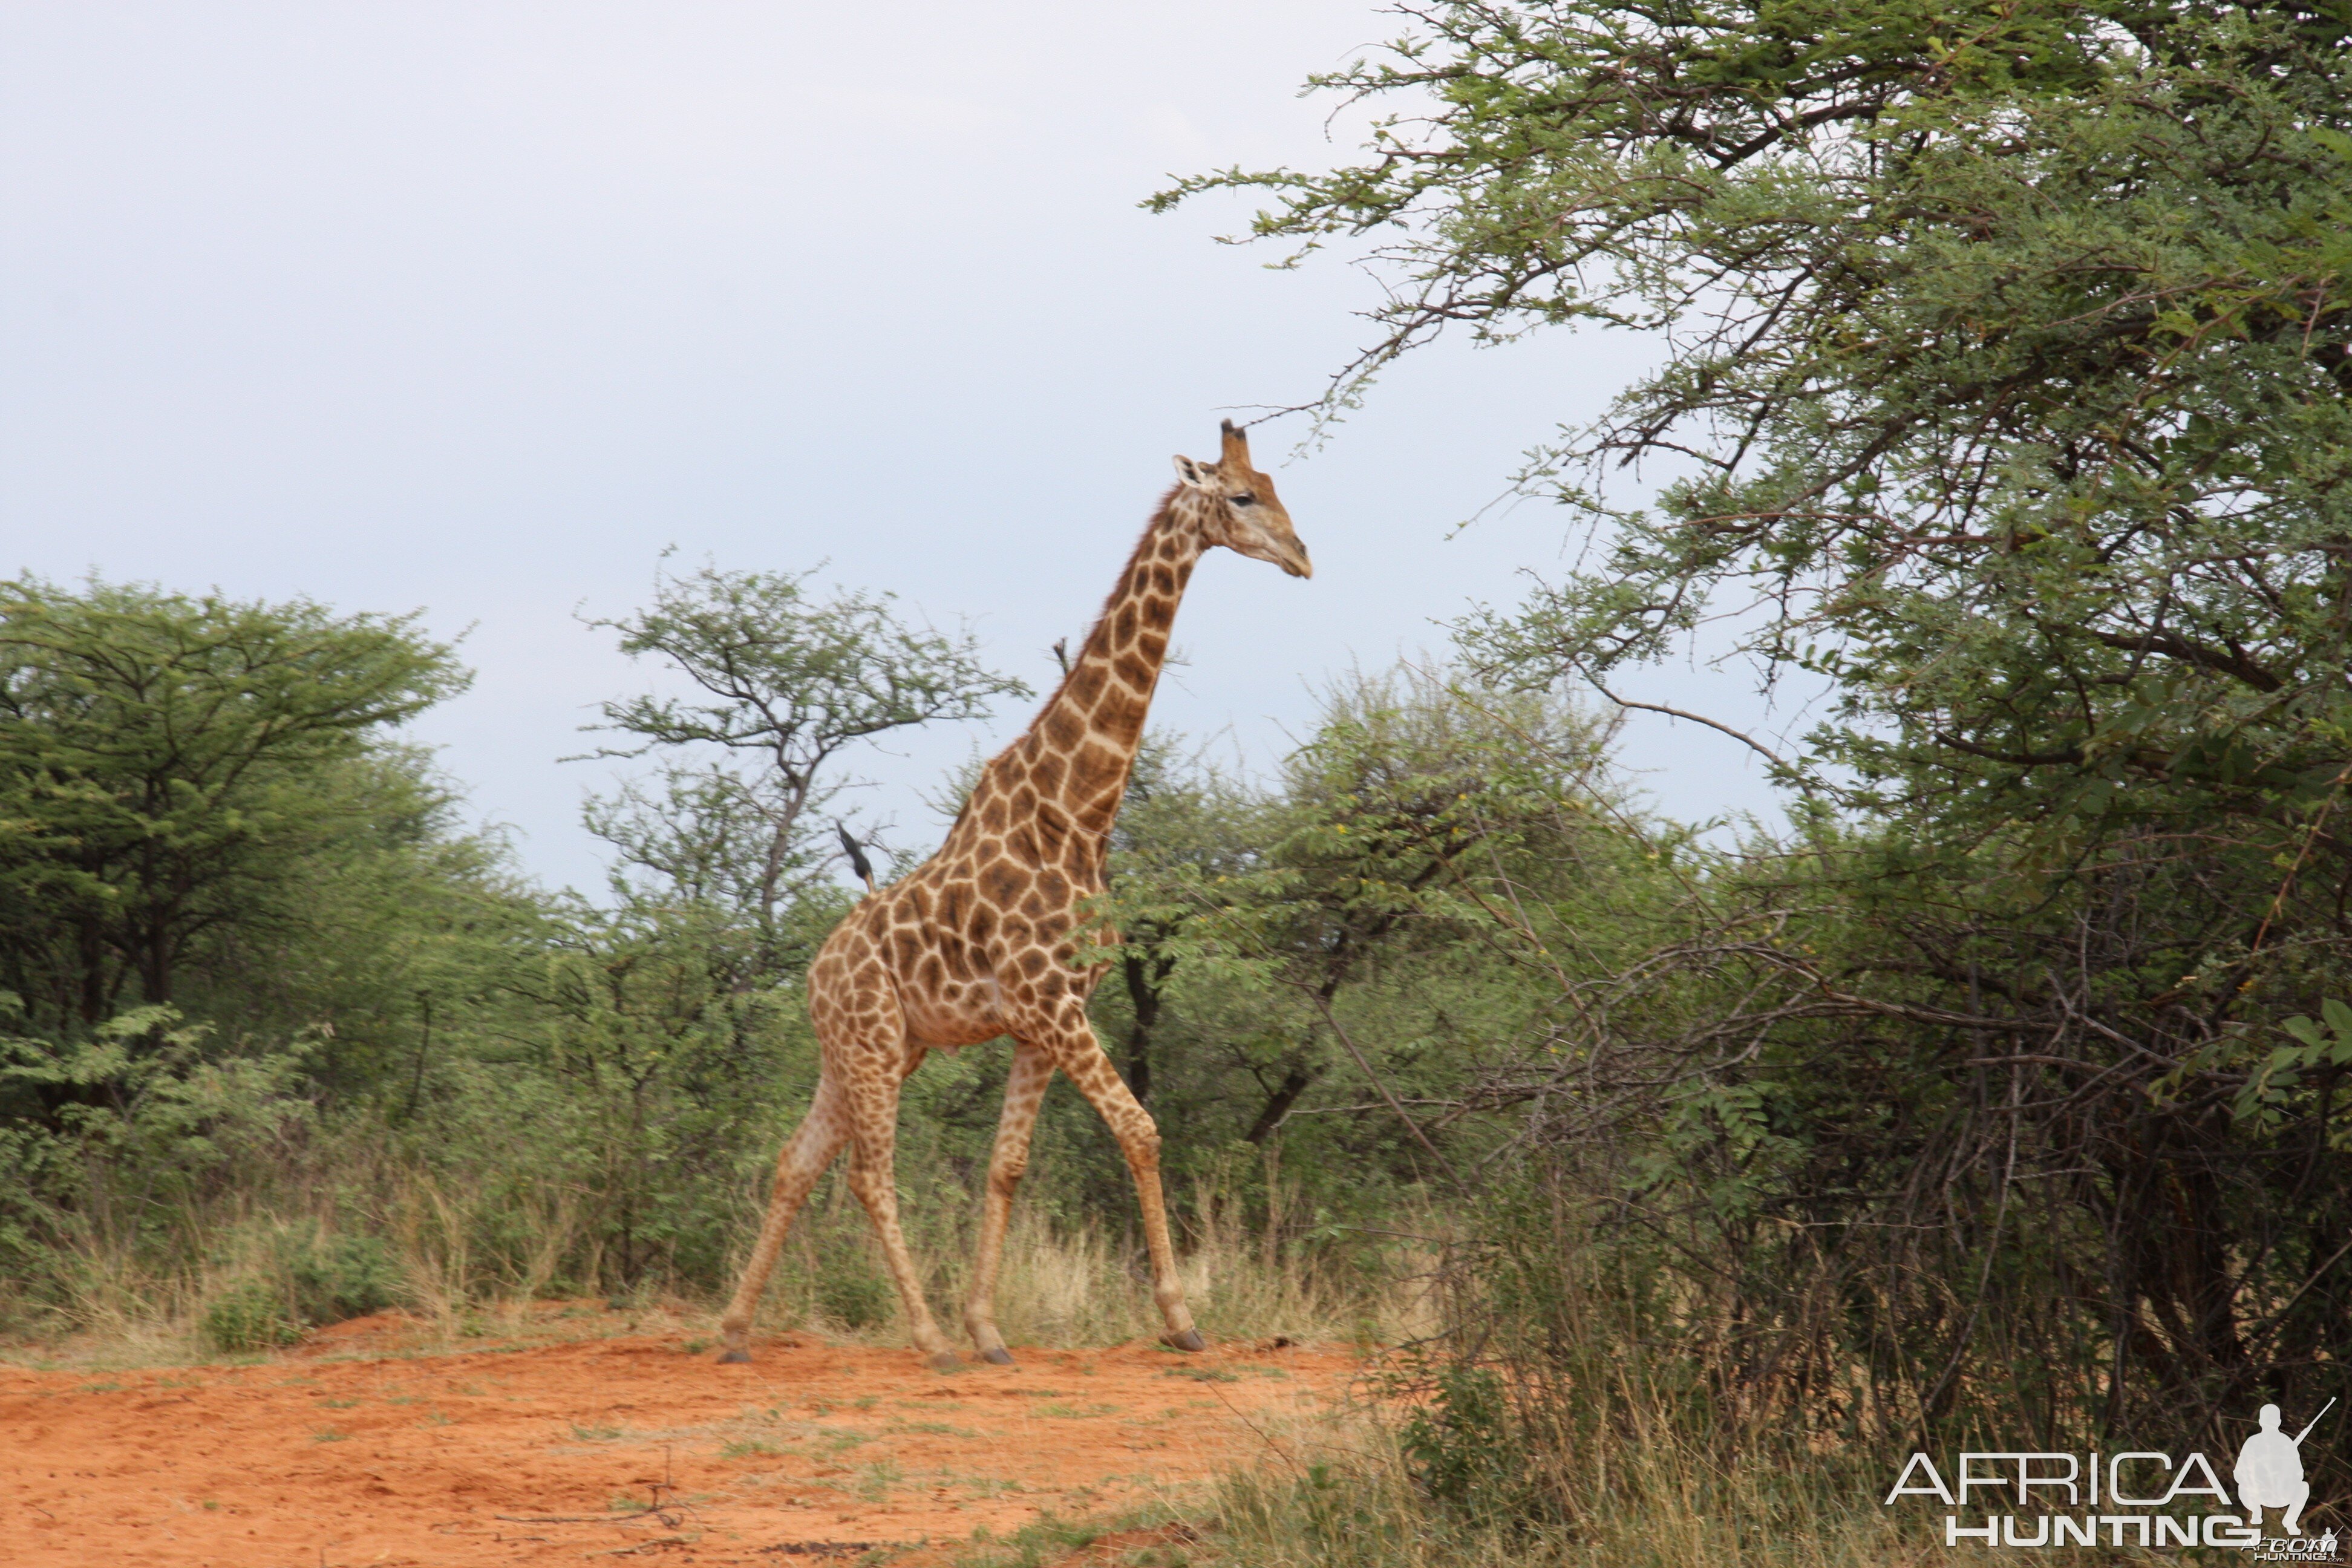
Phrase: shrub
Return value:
(340, 1277)
(849, 1292)
(1459, 1447)
(249, 1316)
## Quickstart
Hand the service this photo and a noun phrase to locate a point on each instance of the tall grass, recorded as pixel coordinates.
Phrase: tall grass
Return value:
(1084, 1281)
(1576, 1438)
(344, 1225)
(1355, 1501)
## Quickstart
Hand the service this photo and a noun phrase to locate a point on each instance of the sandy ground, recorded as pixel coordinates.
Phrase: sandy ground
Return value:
(355, 1451)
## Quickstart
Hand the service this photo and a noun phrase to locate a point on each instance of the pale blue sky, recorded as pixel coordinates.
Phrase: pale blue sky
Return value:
(475, 307)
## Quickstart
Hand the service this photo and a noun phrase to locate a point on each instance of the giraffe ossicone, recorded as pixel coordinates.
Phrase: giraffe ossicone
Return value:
(977, 943)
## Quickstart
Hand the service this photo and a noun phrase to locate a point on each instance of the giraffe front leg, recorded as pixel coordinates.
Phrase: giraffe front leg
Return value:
(1081, 1056)
(807, 1153)
(1025, 1089)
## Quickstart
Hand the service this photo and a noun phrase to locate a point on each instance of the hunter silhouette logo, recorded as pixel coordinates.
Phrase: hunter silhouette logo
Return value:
(2270, 1471)
(2137, 1498)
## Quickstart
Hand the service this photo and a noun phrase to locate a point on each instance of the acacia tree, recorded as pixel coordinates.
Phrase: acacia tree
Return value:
(783, 684)
(1256, 923)
(668, 1018)
(1182, 826)
(2011, 351)
(167, 763)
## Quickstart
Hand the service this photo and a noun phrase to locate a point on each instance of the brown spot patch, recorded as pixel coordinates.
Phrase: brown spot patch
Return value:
(1095, 766)
(1003, 883)
(1119, 712)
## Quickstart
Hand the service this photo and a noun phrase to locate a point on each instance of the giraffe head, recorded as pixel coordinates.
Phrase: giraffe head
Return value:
(1237, 507)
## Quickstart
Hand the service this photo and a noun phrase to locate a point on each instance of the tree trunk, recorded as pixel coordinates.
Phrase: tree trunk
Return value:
(1145, 980)
(1295, 1083)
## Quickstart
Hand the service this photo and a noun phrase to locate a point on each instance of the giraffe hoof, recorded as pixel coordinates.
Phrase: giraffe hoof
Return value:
(735, 1358)
(946, 1361)
(1000, 1356)
(1190, 1340)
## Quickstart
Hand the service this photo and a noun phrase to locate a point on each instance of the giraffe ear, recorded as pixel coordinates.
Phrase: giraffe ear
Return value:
(1195, 474)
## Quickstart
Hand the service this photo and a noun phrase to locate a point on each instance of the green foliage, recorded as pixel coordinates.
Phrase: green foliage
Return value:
(299, 1278)
(248, 1317)
(852, 1292)
(167, 766)
(1460, 1446)
(783, 684)
(335, 1278)
(139, 1124)
(1329, 940)
(2010, 402)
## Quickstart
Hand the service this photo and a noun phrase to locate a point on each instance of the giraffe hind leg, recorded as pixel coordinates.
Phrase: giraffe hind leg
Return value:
(1025, 1089)
(811, 1148)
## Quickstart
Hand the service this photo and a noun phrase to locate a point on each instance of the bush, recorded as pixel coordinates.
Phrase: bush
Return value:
(1459, 1447)
(849, 1292)
(306, 1279)
(249, 1316)
(337, 1277)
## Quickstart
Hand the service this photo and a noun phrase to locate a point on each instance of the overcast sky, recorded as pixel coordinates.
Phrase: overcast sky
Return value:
(477, 308)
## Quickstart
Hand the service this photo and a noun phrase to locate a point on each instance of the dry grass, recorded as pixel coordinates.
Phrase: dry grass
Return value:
(1059, 1285)
(1340, 1494)
(1084, 1285)
(1629, 1490)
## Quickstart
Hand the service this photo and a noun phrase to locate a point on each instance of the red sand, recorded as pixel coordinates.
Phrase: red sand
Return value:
(337, 1457)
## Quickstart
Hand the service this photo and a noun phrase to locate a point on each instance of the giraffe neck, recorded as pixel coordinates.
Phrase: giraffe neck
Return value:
(1080, 747)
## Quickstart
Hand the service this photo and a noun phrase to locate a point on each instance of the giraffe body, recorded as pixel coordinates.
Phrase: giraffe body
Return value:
(977, 943)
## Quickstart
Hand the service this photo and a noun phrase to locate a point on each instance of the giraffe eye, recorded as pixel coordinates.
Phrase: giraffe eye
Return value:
(1244, 500)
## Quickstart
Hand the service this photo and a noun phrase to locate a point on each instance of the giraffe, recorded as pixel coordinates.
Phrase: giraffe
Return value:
(976, 942)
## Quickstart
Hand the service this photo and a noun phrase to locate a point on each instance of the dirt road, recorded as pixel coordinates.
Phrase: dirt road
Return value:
(353, 1454)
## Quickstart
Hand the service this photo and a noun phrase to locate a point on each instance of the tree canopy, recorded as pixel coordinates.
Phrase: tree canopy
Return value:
(783, 683)
(2008, 396)
(165, 763)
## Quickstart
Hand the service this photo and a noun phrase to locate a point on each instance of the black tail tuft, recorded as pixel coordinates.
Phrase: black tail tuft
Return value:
(857, 853)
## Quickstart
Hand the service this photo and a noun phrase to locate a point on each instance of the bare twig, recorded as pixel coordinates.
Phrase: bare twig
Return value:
(1775, 758)
(1443, 1164)
(659, 1543)
(817, 1547)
